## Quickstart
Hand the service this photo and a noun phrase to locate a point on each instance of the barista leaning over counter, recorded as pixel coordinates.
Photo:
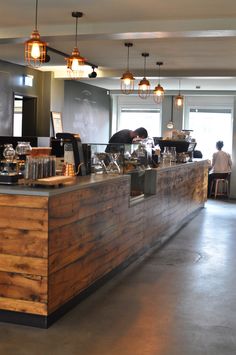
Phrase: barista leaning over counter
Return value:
(126, 136)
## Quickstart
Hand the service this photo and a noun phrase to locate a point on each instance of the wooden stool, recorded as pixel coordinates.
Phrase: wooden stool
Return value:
(220, 187)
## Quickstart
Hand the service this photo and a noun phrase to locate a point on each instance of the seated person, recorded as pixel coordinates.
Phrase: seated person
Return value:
(125, 136)
(221, 165)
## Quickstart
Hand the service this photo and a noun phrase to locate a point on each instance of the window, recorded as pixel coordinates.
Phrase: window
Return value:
(149, 118)
(17, 118)
(210, 125)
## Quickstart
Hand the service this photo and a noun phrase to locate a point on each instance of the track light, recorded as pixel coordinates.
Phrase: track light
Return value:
(93, 74)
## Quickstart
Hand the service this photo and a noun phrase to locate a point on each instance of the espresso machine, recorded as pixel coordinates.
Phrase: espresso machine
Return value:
(69, 151)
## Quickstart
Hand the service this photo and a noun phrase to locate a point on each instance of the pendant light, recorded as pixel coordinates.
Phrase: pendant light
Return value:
(158, 93)
(35, 49)
(179, 99)
(170, 124)
(144, 84)
(127, 79)
(75, 63)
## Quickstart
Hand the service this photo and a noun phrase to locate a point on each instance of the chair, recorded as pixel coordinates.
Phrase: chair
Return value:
(220, 187)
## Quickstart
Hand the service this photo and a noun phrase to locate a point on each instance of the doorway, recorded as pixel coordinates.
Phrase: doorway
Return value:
(24, 116)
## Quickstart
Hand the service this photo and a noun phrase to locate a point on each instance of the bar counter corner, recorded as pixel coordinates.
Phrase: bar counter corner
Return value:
(59, 244)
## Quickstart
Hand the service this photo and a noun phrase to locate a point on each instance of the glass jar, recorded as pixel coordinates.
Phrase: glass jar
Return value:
(23, 149)
(9, 152)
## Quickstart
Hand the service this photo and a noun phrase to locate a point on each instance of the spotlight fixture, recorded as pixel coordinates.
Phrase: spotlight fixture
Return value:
(179, 99)
(93, 74)
(158, 93)
(127, 79)
(75, 63)
(35, 49)
(144, 84)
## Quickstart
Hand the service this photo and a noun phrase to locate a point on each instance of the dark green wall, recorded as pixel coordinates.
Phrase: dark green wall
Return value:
(11, 82)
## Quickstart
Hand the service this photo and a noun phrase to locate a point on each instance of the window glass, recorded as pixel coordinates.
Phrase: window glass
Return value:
(132, 118)
(210, 126)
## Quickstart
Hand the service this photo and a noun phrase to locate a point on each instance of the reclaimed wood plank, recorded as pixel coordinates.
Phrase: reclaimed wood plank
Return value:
(10, 304)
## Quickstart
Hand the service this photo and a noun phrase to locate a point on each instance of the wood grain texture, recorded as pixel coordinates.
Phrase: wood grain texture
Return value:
(55, 247)
(96, 230)
(24, 253)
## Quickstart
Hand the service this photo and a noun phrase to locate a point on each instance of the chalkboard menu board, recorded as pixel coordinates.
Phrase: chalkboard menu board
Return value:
(87, 112)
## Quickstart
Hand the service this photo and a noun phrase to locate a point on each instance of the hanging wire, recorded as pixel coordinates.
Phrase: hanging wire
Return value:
(36, 15)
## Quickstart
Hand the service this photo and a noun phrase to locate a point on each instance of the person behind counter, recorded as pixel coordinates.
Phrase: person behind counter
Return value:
(221, 165)
(125, 136)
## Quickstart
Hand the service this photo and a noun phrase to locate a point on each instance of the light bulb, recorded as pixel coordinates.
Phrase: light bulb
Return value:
(143, 87)
(35, 50)
(179, 102)
(75, 64)
(170, 125)
(127, 81)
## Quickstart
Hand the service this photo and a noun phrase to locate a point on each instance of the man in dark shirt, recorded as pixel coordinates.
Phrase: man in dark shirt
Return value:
(125, 136)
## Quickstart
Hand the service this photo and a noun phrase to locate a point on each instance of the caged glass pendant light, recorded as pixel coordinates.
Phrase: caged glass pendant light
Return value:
(75, 63)
(144, 84)
(35, 48)
(170, 124)
(127, 79)
(158, 93)
(179, 99)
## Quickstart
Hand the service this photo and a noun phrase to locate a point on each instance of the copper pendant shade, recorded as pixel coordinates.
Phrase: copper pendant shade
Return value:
(127, 79)
(75, 63)
(158, 92)
(144, 84)
(35, 48)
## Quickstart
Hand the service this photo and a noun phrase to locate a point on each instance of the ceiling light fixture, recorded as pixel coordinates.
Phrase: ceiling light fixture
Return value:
(35, 49)
(75, 63)
(170, 124)
(158, 93)
(144, 84)
(179, 99)
(127, 79)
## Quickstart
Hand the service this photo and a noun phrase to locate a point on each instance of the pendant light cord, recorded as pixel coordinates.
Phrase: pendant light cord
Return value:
(36, 15)
(128, 60)
(76, 28)
(172, 104)
(144, 72)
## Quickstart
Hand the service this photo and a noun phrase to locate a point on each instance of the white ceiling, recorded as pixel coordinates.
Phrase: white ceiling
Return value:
(196, 40)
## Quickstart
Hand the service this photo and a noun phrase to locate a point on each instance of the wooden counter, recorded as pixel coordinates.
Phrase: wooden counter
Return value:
(57, 244)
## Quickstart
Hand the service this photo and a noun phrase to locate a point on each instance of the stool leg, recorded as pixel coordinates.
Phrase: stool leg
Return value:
(216, 188)
(227, 188)
(211, 189)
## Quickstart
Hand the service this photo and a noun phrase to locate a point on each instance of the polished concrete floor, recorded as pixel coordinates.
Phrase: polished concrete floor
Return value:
(179, 301)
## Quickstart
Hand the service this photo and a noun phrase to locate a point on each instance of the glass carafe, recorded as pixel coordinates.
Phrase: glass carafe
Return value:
(9, 154)
(23, 149)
